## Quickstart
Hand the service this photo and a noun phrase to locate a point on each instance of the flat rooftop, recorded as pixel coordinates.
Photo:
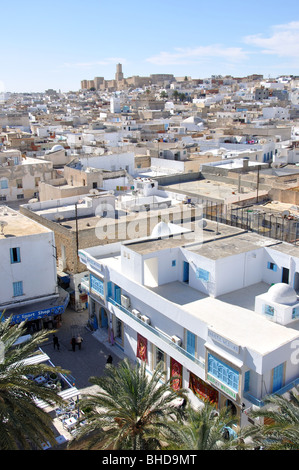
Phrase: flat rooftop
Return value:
(210, 189)
(18, 225)
(215, 241)
(238, 324)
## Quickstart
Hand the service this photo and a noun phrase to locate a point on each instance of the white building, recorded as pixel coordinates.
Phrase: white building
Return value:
(276, 113)
(28, 288)
(191, 305)
(115, 105)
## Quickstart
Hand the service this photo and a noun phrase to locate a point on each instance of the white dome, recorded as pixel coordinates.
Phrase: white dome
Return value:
(56, 148)
(161, 230)
(282, 294)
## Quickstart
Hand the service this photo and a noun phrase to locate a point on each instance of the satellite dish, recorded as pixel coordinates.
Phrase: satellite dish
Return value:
(2, 225)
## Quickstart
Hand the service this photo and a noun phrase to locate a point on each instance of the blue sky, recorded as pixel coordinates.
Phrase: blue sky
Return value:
(56, 44)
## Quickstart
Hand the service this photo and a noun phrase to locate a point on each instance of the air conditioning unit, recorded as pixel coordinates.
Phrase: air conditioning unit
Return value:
(136, 313)
(145, 319)
(125, 301)
(176, 340)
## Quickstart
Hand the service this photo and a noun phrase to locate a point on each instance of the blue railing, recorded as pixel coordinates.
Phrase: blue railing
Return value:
(157, 333)
(281, 391)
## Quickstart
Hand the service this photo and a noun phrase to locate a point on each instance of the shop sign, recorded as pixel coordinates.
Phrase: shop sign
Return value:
(225, 342)
(224, 388)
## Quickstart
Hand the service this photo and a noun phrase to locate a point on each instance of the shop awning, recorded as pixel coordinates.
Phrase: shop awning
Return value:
(39, 309)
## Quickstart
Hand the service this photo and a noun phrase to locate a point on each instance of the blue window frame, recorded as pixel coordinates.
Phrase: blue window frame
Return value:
(96, 285)
(191, 343)
(17, 288)
(4, 184)
(268, 310)
(277, 377)
(15, 255)
(223, 372)
(202, 274)
(295, 312)
(173, 263)
(272, 266)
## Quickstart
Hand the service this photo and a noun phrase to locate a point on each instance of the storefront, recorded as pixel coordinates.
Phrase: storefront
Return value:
(42, 314)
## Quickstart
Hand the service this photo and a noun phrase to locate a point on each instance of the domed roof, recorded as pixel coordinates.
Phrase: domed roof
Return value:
(56, 148)
(162, 229)
(282, 294)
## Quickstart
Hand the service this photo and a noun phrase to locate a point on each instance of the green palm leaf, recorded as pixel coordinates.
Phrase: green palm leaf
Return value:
(131, 410)
(23, 425)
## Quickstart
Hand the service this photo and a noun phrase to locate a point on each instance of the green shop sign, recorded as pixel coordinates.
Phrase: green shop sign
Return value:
(222, 387)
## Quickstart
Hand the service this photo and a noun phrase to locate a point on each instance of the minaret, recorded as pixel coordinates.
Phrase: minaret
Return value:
(119, 74)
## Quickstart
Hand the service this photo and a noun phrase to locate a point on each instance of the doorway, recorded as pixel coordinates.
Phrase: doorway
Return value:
(104, 318)
(186, 272)
(285, 275)
(296, 282)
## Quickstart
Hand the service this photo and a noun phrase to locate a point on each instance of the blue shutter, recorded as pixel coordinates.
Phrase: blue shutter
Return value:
(191, 343)
(17, 288)
(277, 377)
(272, 266)
(117, 297)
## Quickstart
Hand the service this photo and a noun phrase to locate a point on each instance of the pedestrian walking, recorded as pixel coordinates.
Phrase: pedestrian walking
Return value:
(56, 342)
(109, 359)
(79, 341)
(73, 343)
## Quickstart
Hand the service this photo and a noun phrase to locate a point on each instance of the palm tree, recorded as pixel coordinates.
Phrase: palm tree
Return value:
(130, 410)
(175, 94)
(23, 425)
(204, 428)
(282, 432)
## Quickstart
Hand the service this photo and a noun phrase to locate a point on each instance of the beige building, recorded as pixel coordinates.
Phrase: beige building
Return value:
(20, 176)
(88, 220)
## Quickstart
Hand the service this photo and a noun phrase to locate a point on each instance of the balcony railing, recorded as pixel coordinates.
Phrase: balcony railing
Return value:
(160, 335)
(281, 391)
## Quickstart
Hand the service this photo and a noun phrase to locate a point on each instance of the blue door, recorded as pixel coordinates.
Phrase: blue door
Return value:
(186, 272)
(191, 343)
(104, 318)
(277, 378)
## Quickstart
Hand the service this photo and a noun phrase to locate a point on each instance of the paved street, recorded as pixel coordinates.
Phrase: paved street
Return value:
(91, 359)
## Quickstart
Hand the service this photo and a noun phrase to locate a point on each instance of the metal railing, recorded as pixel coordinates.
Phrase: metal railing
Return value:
(157, 333)
(281, 391)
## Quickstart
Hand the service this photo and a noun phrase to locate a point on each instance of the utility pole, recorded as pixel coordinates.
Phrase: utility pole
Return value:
(76, 217)
(257, 184)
